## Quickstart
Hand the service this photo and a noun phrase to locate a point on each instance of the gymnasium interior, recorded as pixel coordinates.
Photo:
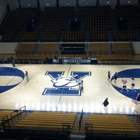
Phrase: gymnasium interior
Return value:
(59, 43)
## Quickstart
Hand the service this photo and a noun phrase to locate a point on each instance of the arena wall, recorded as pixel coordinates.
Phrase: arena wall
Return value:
(136, 46)
(9, 48)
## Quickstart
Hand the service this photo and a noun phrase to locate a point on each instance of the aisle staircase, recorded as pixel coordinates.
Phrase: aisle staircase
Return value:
(115, 26)
(135, 119)
(79, 133)
(40, 17)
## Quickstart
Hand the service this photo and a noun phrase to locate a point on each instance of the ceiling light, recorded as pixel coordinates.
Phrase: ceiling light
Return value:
(47, 4)
(28, 4)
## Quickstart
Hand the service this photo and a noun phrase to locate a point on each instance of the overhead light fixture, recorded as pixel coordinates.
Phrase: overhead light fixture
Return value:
(67, 3)
(87, 2)
(47, 4)
(128, 2)
(28, 4)
(107, 2)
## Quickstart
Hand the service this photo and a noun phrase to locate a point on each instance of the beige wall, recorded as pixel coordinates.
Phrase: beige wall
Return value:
(136, 46)
(8, 48)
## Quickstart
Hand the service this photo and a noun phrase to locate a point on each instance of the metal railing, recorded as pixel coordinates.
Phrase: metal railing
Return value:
(137, 116)
(21, 110)
(80, 121)
(5, 120)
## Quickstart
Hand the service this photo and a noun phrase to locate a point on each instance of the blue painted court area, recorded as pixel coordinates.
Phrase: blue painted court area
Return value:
(135, 73)
(6, 71)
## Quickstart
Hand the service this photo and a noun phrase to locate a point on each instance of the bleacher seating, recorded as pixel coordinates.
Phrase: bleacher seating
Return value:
(8, 35)
(122, 49)
(111, 123)
(123, 35)
(35, 53)
(130, 12)
(28, 36)
(118, 60)
(15, 20)
(26, 48)
(117, 53)
(40, 125)
(56, 125)
(48, 36)
(54, 20)
(47, 50)
(110, 127)
(98, 21)
(98, 35)
(47, 121)
(99, 50)
(121, 53)
(6, 115)
(26, 53)
(50, 48)
(74, 36)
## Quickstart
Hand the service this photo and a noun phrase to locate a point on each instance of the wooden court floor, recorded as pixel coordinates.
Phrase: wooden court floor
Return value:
(96, 89)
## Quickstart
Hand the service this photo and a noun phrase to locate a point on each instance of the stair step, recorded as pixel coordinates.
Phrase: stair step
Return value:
(77, 137)
(40, 35)
(135, 123)
(61, 35)
(75, 129)
(115, 26)
(39, 21)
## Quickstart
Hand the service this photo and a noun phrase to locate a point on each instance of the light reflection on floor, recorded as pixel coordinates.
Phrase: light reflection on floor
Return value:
(69, 107)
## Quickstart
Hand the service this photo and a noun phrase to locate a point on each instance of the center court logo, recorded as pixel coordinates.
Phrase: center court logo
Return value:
(64, 85)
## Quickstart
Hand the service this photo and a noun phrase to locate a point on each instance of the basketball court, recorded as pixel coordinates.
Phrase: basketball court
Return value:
(55, 88)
